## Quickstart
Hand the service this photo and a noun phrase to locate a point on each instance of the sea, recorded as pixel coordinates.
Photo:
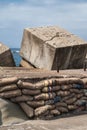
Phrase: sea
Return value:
(16, 56)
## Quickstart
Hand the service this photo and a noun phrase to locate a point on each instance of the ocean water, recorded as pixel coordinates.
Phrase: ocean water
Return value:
(16, 56)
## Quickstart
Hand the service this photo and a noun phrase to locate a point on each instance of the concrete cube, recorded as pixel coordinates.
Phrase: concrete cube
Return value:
(6, 58)
(53, 47)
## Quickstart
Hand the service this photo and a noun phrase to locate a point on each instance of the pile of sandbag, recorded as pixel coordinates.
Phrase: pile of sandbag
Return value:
(46, 98)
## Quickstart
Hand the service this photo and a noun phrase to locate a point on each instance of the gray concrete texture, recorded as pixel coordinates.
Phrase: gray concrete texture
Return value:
(6, 58)
(52, 47)
(10, 113)
(71, 123)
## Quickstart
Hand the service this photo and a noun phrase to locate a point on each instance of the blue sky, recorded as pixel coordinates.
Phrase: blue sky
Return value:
(15, 15)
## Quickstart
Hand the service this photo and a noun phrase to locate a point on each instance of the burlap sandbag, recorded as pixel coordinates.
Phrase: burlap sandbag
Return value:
(27, 109)
(62, 109)
(8, 88)
(45, 83)
(84, 80)
(30, 92)
(81, 102)
(79, 95)
(10, 94)
(60, 81)
(85, 86)
(85, 92)
(63, 93)
(36, 104)
(43, 109)
(66, 87)
(38, 85)
(79, 109)
(6, 81)
(45, 96)
(71, 100)
(61, 104)
(68, 97)
(43, 116)
(26, 85)
(72, 107)
(68, 81)
(22, 98)
(83, 98)
(78, 86)
(53, 101)
(77, 91)
(51, 89)
(55, 112)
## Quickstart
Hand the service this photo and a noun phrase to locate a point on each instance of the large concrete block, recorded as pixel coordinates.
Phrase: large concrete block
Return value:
(6, 58)
(52, 47)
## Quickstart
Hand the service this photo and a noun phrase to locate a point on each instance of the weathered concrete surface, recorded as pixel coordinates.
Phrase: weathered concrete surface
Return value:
(6, 58)
(52, 47)
(11, 113)
(22, 72)
(71, 123)
(26, 64)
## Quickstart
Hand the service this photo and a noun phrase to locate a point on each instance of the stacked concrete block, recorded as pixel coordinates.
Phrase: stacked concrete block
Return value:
(46, 98)
(6, 58)
(26, 64)
(52, 48)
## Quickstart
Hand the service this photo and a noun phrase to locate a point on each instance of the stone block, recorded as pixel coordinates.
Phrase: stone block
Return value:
(6, 58)
(26, 64)
(53, 47)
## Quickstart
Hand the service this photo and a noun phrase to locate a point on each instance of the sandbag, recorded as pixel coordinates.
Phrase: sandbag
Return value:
(8, 88)
(66, 87)
(27, 109)
(71, 100)
(30, 92)
(68, 81)
(84, 80)
(77, 91)
(53, 101)
(26, 85)
(43, 109)
(61, 104)
(78, 86)
(79, 95)
(55, 112)
(63, 93)
(22, 98)
(45, 96)
(72, 107)
(10, 94)
(81, 102)
(35, 104)
(62, 109)
(6, 81)
(85, 92)
(51, 89)
(68, 97)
